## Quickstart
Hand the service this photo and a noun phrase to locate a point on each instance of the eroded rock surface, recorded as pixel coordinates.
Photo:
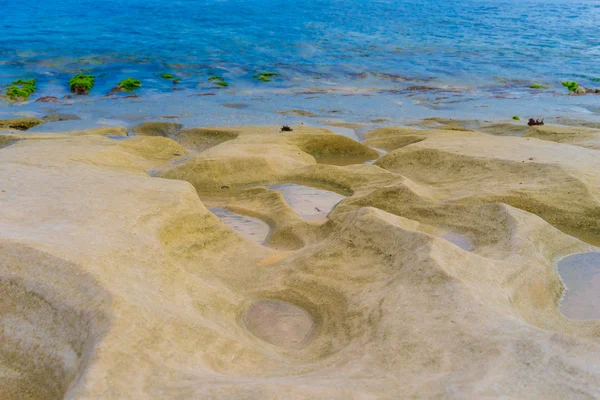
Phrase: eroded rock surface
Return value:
(119, 285)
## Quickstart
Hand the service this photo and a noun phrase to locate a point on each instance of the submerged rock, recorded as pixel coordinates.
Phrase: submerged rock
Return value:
(298, 113)
(48, 99)
(20, 124)
(165, 129)
(57, 117)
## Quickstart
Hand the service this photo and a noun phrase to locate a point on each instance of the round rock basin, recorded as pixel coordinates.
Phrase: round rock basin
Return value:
(279, 323)
(308, 202)
(581, 274)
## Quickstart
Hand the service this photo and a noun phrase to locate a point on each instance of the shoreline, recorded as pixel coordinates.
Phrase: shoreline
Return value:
(228, 107)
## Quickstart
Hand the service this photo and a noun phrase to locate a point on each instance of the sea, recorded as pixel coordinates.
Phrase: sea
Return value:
(368, 61)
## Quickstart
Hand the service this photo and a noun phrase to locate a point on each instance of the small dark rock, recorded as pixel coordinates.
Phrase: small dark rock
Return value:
(533, 122)
(238, 106)
(80, 90)
(224, 187)
(58, 117)
(286, 128)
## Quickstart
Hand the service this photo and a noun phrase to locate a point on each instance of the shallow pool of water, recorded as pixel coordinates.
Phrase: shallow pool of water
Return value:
(308, 202)
(249, 228)
(459, 240)
(581, 275)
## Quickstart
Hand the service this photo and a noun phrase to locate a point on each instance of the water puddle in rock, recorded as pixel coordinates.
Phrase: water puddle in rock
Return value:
(459, 240)
(279, 323)
(581, 274)
(382, 153)
(249, 228)
(308, 202)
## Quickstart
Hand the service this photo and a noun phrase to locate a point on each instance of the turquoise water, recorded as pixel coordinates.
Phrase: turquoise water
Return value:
(424, 57)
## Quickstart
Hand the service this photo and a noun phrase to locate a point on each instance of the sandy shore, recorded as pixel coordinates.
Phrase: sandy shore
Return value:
(433, 277)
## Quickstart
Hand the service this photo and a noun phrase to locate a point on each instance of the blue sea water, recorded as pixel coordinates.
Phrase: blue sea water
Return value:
(354, 58)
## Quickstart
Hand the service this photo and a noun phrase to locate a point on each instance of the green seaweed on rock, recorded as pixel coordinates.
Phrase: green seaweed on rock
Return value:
(166, 76)
(571, 85)
(129, 84)
(218, 80)
(21, 89)
(82, 83)
(516, 118)
(265, 76)
(538, 86)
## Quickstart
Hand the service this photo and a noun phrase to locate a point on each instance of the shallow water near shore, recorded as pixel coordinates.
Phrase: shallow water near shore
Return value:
(581, 274)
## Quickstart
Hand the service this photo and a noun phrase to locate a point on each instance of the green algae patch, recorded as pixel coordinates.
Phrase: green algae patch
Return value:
(82, 83)
(571, 85)
(21, 89)
(218, 80)
(516, 118)
(537, 86)
(265, 76)
(166, 76)
(129, 84)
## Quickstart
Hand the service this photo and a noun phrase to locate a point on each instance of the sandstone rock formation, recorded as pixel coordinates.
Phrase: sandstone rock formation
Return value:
(116, 284)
